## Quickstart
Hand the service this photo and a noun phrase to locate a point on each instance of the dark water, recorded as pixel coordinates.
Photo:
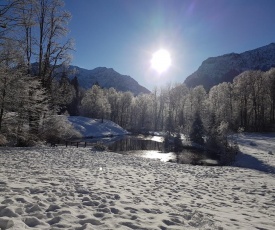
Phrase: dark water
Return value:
(129, 143)
(153, 147)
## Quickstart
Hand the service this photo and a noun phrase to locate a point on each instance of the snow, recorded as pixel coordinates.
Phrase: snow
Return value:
(77, 188)
(89, 127)
(257, 151)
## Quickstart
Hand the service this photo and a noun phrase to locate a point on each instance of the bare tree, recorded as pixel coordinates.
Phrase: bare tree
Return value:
(7, 20)
(270, 86)
(52, 51)
(10, 61)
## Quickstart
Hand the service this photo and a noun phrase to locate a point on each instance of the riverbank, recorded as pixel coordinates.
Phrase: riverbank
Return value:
(70, 188)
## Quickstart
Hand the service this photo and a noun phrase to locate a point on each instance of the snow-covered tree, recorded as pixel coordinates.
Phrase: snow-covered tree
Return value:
(197, 130)
(52, 51)
(63, 94)
(7, 21)
(220, 102)
(270, 86)
(57, 128)
(73, 107)
(125, 101)
(140, 112)
(113, 98)
(241, 87)
(95, 103)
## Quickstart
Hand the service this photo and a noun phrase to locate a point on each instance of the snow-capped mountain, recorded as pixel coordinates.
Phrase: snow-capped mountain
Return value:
(107, 78)
(215, 70)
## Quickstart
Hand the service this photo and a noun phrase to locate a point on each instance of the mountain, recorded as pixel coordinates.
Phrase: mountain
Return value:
(107, 78)
(215, 70)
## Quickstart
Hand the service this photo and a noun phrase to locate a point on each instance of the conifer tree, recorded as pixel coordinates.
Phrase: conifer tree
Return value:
(197, 130)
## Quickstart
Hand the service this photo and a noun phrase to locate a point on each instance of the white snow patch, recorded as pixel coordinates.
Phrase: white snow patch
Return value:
(89, 127)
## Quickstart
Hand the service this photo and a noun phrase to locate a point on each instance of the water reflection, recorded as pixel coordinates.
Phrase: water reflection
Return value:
(153, 147)
(152, 154)
(136, 143)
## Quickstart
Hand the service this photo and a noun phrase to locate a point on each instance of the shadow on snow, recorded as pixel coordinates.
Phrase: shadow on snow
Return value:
(251, 162)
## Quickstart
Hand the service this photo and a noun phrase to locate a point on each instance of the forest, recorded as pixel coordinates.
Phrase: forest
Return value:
(247, 103)
(35, 54)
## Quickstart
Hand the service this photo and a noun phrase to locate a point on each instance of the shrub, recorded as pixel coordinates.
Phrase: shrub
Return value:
(99, 146)
(58, 128)
(3, 140)
(228, 153)
(217, 142)
(178, 146)
(27, 140)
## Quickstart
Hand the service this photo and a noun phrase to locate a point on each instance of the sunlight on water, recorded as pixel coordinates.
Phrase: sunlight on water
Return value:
(157, 139)
(152, 154)
(152, 147)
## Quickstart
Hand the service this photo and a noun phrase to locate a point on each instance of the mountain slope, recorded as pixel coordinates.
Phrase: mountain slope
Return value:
(107, 78)
(224, 68)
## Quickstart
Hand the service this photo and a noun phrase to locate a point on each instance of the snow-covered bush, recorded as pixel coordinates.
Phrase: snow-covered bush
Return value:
(228, 153)
(99, 146)
(15, 132)
(218, 143)
(25, 139)
(57, 128)
(178, 146)
(3, 140)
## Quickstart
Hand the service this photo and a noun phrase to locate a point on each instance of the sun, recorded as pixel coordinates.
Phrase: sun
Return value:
(161, 60)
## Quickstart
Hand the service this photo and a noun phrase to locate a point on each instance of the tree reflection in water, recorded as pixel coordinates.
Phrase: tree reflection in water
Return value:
(132, 143)
(146, 147)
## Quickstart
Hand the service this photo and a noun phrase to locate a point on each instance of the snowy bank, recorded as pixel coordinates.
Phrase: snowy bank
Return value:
(89, 127)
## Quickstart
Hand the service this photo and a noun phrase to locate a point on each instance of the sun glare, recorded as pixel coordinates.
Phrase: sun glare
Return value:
(161, 60)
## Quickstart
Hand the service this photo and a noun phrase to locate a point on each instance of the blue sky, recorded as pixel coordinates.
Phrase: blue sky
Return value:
(123, 34)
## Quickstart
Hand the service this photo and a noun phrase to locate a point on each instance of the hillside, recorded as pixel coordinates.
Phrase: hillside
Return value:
(107, 78)
(224, 68)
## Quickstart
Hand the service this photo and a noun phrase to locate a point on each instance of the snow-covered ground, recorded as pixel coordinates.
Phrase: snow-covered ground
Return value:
(257, 152)
(76, 188)
(89, 127)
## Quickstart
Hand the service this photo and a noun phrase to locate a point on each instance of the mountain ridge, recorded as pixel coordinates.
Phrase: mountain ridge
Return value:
(224, 68)
(106, 78)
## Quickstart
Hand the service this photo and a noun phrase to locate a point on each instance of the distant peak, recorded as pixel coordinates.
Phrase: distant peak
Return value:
(103, 69)
(100, 68)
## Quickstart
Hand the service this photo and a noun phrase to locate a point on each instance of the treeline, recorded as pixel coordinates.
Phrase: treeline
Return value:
(248, 104)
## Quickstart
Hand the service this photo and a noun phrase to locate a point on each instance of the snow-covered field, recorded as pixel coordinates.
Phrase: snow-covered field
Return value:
(77, 188)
